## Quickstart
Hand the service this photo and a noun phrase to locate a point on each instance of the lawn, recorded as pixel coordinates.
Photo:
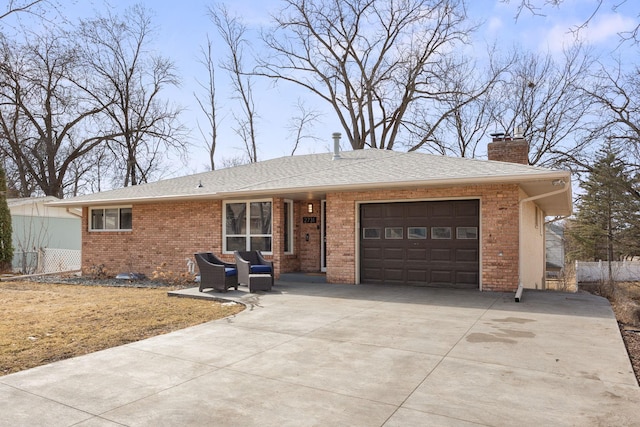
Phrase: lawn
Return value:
(42, 323)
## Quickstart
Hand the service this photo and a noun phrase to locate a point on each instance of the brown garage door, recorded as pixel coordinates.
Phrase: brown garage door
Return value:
(420, 243)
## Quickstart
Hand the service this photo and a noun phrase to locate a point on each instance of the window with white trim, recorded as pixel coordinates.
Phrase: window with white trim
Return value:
(287, 217)
(247, 226)
(110, 219)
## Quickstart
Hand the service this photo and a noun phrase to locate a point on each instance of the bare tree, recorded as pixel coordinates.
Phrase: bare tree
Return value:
(45, 114)
(375, 62)
(542, 99)
(229, 162)
(208, 105)
(616, 93)
(20, 6)
(540, 8)
(456, 118)
(233, 32)
(132, 78)
(299, 124)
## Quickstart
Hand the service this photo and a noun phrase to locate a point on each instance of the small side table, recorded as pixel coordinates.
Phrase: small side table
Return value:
(259, 282)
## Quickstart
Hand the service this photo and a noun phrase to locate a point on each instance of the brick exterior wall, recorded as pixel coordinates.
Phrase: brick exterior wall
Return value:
(509, 150)
(161, 232)
(171, 232)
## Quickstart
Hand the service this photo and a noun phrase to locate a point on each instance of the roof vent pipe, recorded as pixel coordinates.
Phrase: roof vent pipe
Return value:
(336, 145)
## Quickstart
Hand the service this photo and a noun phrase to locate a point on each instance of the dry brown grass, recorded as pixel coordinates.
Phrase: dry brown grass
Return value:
(42, 323)
(625, 301)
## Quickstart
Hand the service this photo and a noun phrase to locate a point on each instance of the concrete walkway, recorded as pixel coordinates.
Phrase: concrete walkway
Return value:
(312, 354)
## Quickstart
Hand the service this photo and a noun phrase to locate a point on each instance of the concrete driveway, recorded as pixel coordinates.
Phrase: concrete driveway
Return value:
(311, 354)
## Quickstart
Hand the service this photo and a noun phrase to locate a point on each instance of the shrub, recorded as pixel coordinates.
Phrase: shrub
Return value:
(162, 274)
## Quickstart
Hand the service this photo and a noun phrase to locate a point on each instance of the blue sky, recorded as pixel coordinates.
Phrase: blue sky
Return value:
(183, 26)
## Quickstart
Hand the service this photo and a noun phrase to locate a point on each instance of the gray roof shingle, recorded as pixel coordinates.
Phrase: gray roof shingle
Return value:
(363, 169)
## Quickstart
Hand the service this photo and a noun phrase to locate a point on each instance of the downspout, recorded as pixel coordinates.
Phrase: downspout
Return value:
(564, 189)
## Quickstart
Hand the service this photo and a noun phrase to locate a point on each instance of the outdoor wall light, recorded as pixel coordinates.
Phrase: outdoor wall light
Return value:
(310, 207)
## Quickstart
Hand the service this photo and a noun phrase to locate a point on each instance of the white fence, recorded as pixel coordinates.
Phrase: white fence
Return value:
(58, 260)
(621, 271)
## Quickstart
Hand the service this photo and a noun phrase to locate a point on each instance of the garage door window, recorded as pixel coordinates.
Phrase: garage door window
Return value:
(441, 233)
(392, 233)
(416, 232)
(371, 233)
(468, 233)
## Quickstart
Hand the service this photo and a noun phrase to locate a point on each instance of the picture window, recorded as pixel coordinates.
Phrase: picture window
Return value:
(248, 226)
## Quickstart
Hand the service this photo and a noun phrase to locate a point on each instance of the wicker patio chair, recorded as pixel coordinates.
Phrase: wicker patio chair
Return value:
(215, 273)
(258, 277)
(259, 265)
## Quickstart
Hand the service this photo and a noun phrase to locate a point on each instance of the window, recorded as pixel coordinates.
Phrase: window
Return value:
(247, 226)
(467, 233)
(440, 232)
(287, 216)
(417, 232)
(393, 233)
(110, 219)
(371, 233)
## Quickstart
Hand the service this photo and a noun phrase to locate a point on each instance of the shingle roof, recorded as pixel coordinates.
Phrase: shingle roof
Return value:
(361, 169)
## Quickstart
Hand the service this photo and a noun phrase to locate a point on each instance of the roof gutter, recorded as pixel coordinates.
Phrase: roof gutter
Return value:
(565, 188)
(507, 179)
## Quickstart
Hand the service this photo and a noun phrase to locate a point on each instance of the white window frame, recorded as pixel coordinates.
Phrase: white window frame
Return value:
(288, 206)
(247, 234)
(104, 209)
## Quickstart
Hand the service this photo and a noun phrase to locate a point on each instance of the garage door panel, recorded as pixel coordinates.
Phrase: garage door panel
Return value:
(394, 274)
(441, 276)
(417, 276)
(395, 254)
(372, 254)
(468, 208)
(371, 211)
(443, 254)
(417, 210)
(467, 255)
(372, 272)
(408, 253)
(416, 254)
(467, 277)
(394, 210)
(441, 209)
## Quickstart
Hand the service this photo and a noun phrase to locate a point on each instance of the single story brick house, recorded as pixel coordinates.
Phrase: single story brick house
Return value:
(365, 216)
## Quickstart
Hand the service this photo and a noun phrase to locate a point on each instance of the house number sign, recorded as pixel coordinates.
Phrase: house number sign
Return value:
(309, 219)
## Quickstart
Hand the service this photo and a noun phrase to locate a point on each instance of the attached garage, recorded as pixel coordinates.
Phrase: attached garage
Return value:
(420, 243)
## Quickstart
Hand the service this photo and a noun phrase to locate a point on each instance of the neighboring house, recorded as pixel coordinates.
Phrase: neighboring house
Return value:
(366, 216)
(36, 225)
(555, 249)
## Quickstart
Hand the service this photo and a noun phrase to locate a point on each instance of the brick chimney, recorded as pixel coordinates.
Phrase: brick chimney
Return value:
(507, 149)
